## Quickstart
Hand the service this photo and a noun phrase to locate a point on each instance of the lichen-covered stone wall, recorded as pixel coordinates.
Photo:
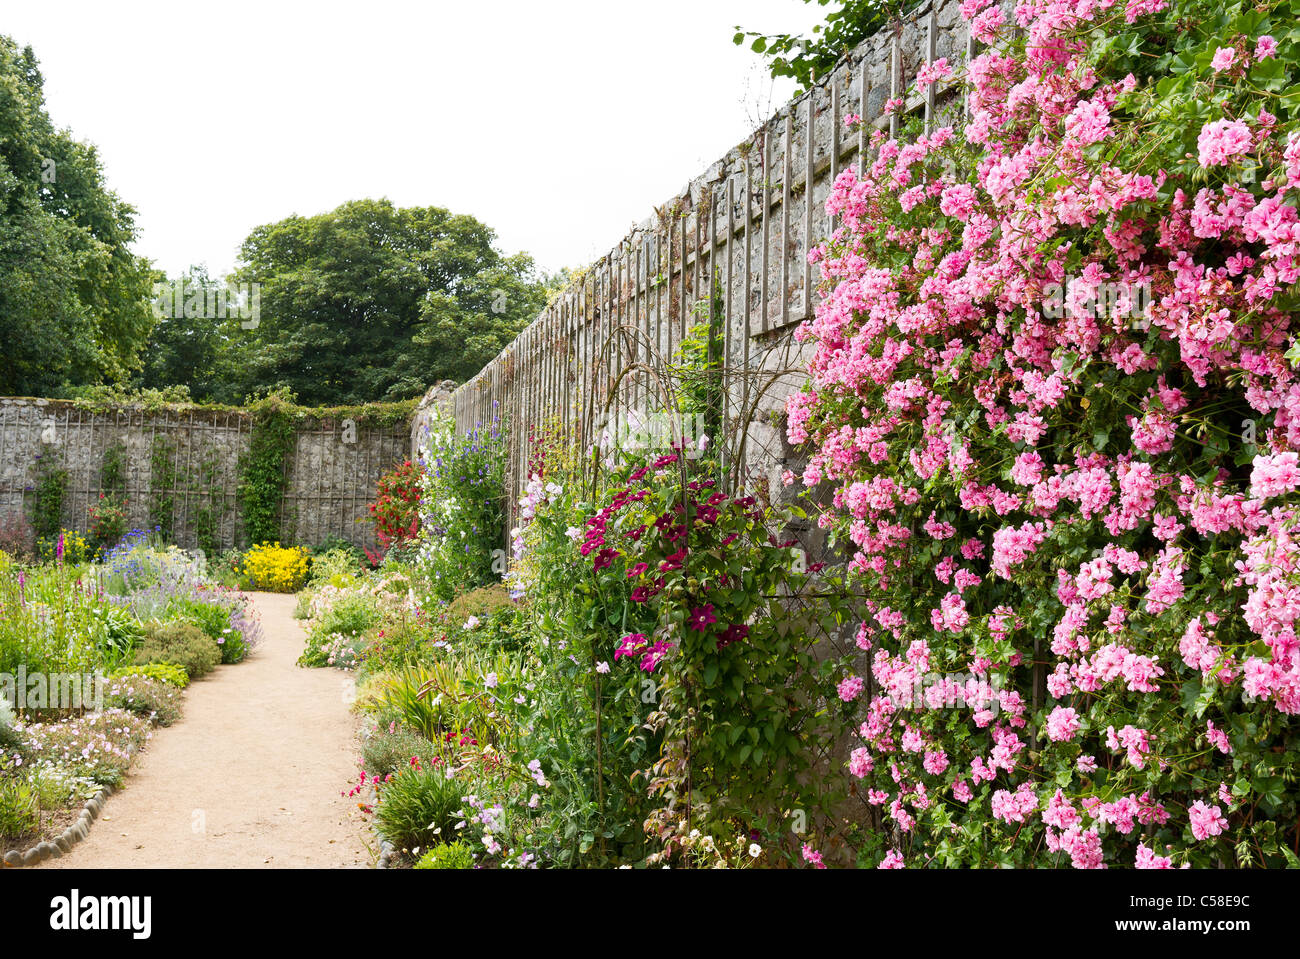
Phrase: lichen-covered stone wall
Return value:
(180, 468)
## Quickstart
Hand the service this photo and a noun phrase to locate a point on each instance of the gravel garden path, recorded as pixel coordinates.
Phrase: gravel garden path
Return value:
(249, 777)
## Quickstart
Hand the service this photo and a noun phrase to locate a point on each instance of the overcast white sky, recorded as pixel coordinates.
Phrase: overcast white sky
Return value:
(559, 123)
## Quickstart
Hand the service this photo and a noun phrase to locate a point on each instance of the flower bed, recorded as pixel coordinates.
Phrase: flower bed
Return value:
(93, 658)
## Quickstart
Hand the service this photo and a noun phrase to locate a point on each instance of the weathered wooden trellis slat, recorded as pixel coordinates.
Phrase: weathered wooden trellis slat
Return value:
(637, 304)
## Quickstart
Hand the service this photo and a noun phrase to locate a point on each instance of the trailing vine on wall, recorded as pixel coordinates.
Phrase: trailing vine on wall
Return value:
(47, 504)
(162, 484)
(262, 475)
(112, 470)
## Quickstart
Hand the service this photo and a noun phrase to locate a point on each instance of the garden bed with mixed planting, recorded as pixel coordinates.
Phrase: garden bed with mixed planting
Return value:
(95, 656)
(1050, 429)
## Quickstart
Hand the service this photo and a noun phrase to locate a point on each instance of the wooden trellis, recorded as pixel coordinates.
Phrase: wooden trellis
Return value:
(749, 228)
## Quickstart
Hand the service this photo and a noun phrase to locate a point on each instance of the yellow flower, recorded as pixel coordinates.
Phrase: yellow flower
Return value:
(276, 568)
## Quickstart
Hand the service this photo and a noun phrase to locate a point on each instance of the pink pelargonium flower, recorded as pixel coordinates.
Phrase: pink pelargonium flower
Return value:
(1206, 821)
(1146, 859)
(1221, 140)
(860, 762)
(1224, 57)
(1274, 475)
(850, 688)
(1062, 724)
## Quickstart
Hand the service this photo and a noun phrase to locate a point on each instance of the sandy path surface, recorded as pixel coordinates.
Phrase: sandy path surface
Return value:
(250, 776)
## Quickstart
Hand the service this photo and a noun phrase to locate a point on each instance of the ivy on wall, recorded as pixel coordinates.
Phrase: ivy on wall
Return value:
(162, 483)
(112, 470)
(191, 500)
(262, 474)
(47, 503)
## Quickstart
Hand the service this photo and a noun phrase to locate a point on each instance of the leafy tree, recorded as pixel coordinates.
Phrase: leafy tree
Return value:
(372, 302)
(806, 58)
(73, 298)
(187, 347)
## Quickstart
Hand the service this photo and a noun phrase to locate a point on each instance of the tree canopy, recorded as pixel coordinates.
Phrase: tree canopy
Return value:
(372, 302)
(805, 58)
(73, 298)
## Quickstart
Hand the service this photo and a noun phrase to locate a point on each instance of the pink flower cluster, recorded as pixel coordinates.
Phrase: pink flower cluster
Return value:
(936, 309)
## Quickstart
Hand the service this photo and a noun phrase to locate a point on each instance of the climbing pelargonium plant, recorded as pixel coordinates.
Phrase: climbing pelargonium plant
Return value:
(1054, 392)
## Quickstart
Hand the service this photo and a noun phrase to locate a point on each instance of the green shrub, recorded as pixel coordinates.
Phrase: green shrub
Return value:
(479, 603)
(153, 699)
(418, 806)
(59, 786)
(399, 644)
(388, 751)
(19, 813)
(226, 568)
(336, 543)
(117, 633)
(337, 567)
(98, 745)
(10, 739)
(215, 622)
(181, 643)
(447, 855)
(336, 637)
(166, 672)
(351, 615)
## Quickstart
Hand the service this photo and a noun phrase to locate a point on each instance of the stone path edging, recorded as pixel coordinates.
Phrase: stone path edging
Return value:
(62, 843)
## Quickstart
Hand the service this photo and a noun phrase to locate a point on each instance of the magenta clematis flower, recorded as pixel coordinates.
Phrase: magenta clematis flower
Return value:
(630, 645)
(655, 654)
(733, 634)
(702, 617)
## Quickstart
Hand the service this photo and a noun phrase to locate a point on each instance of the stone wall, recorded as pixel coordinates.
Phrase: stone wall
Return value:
(180, 466)
(435, 404)
(733, 244)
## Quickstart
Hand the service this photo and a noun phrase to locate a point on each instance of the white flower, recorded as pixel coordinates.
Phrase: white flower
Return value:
(602, 667)
(755, 850)
(471, 623)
